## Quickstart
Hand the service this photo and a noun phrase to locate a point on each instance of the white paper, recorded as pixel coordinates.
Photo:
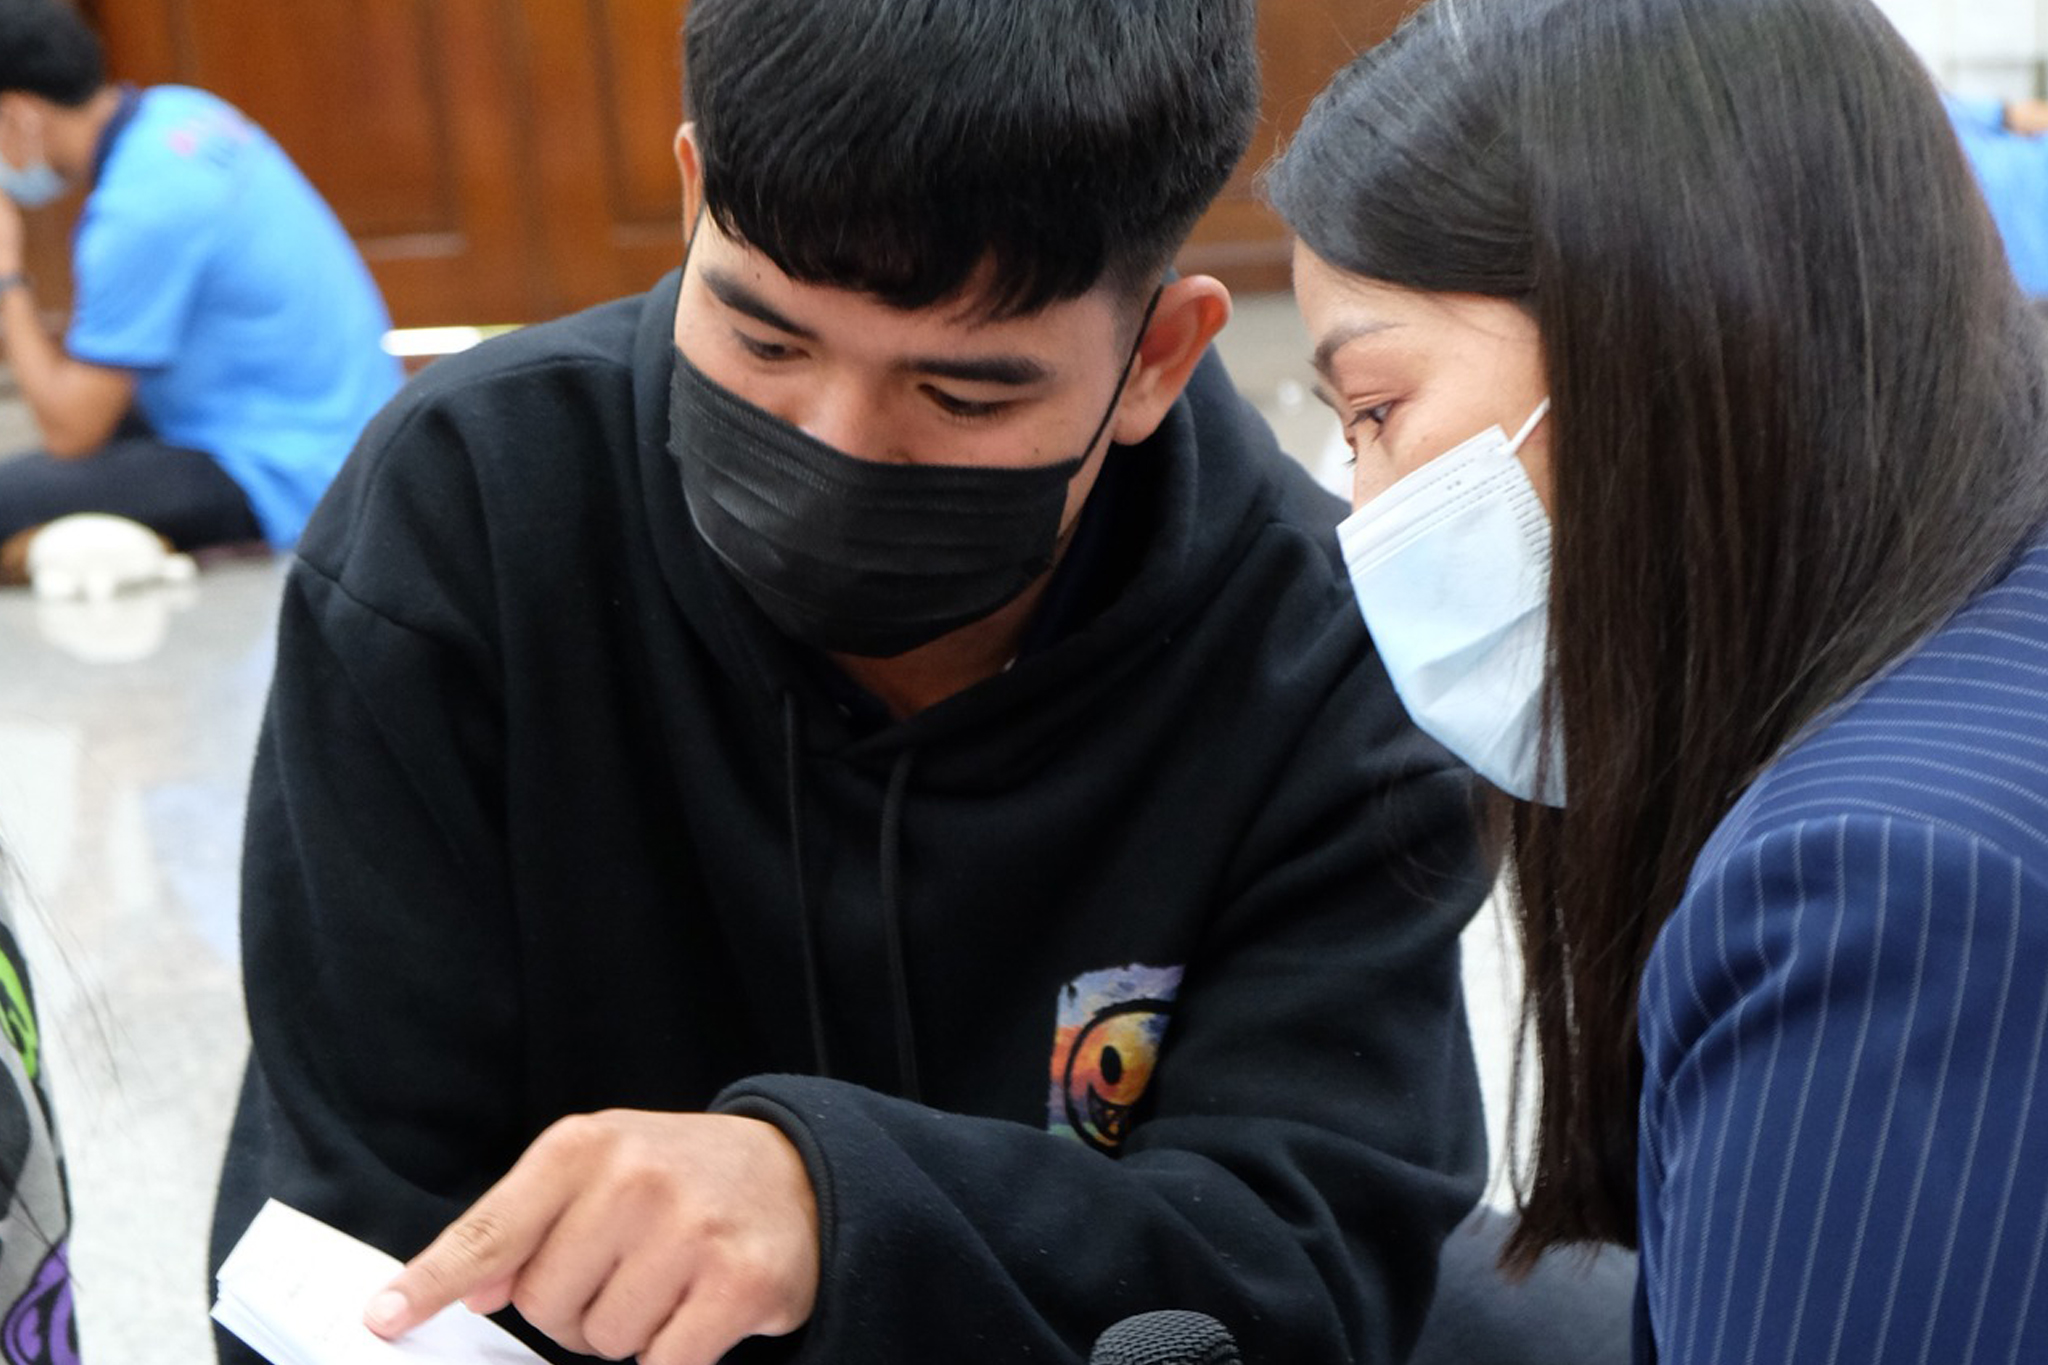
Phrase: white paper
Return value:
(295, 1289)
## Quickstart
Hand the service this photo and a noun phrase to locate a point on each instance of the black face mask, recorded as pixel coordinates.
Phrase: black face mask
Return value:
(856, 556)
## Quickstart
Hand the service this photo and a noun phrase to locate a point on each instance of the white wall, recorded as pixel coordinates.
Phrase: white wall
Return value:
(1979, 47)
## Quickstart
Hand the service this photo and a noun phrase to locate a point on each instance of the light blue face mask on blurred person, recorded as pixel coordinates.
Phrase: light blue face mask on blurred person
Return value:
(31, 187)
(1451, 568)
(36, 184)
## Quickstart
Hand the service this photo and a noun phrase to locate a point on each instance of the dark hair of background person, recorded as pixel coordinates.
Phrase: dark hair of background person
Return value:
(899, 147)
(1799, 419)
(47, 49)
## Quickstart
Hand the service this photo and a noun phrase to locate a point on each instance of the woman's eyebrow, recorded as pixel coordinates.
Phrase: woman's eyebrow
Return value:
(1342, 335)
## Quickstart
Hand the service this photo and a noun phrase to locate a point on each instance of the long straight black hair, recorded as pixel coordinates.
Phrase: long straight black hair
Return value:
(1800, 417)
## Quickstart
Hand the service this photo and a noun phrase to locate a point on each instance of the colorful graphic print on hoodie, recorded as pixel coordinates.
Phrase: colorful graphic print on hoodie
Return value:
(1111, 1024)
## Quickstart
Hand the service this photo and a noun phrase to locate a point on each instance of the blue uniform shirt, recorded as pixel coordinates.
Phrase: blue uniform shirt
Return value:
(2013, 169)
(208, 265)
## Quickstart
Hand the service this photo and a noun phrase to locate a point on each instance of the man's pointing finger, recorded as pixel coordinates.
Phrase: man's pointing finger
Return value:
(482, 1250)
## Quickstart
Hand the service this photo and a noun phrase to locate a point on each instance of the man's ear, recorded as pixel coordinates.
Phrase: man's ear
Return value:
(691, 164)
(1189, 314)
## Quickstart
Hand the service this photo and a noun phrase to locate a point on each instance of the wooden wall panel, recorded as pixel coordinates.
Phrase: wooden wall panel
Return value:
(401, 112)
(603, 79)
(486, 269)
(348, 87)
(1302, 44)
(642, 56)
(509, 160)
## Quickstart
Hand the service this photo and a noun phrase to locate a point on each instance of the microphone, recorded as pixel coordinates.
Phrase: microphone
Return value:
(1170, 1337)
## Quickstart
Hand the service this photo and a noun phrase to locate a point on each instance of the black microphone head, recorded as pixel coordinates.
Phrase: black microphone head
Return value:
(1169, 1337)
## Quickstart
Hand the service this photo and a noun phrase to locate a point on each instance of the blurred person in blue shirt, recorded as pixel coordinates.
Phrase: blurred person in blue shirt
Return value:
(224, 347)
(2004, 142)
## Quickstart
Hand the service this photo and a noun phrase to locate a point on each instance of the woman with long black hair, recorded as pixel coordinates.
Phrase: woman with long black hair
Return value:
(1702, 469)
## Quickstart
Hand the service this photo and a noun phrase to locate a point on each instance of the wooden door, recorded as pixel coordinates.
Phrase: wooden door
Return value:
(509, 160)
(396, 109)
(604, 82)
(496, 160)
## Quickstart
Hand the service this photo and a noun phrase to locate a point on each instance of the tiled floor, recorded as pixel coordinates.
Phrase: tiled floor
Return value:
(121, 787)
(125, 737)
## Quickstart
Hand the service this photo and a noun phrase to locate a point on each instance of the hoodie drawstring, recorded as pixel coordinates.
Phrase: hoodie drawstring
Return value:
(892, 925)
(892, 904)
(807, 932)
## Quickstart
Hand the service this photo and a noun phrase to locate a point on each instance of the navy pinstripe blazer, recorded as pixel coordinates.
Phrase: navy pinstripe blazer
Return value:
(1844, 1124)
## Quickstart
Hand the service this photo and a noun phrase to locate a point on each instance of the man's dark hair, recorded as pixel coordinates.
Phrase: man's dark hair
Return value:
(47, 49)
(898, 147)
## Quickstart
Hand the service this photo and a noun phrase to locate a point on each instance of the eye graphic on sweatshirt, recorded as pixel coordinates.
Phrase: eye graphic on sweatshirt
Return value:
(1110, 1067)
(1111, 1026)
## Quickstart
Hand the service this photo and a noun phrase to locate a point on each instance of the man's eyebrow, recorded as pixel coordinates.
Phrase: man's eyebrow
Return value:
(1340, 337)
(736, 296)
(1014, 371)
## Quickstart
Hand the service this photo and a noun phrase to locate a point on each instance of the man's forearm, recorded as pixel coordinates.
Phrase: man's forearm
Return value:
(31, 351)
(76, 407)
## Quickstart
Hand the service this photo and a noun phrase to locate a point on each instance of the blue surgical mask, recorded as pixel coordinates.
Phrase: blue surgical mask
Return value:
(1451, 567)
(32, 186)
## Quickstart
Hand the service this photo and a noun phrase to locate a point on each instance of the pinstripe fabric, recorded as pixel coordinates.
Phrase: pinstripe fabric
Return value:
(1844, 1147)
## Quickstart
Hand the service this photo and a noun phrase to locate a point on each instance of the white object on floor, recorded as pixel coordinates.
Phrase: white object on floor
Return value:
(94, 556)
(123, 629)
(295, 1289)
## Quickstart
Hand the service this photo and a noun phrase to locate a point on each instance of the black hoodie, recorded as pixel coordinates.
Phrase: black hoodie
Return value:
(1124, 980)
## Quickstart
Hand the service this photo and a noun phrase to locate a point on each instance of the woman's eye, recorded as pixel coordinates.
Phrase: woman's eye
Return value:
(764, 350)
(1351, 418)
(1358, 418)
(966, 408)
(1377, 415)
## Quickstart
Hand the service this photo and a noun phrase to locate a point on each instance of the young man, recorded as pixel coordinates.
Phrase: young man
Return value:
(855, 782)
(215, 296)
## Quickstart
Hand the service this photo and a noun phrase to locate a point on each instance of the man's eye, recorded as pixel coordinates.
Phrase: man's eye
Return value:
(764, 350)
(965, 407)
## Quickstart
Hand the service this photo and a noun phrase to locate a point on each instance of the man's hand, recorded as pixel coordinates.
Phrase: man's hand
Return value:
(667, 1236)
(2027, 117)
(12, 236)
